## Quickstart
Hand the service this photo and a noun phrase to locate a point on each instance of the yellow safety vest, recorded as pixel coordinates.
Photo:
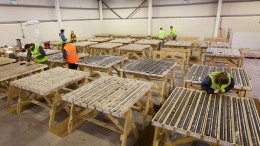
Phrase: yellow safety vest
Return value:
(217, 86)
(36, 53)
(161, 34)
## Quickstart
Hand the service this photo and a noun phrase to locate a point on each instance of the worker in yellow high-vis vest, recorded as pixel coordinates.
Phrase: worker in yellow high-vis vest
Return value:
(37, 51)
(161, 36)
(218, 82)
(173, 33)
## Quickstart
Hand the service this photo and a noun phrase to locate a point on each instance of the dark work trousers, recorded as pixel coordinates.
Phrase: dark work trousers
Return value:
(162, 43)
(174, 38)
(73, 66)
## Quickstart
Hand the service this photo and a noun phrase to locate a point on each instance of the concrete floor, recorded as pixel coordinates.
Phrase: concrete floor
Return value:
(31, 127)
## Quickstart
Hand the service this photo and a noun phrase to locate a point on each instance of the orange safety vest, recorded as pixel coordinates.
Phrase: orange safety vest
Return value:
(72, 55)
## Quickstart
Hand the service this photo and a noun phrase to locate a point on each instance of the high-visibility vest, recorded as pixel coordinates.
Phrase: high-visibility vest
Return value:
(72, 55)
(173, 32)
(73, 38)
(161, 34)
(36, 53)
(217, 86)
(61, 41)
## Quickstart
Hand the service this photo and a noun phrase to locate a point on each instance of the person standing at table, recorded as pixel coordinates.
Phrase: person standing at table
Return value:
(37, 51)
(70, 53)
(62, 37)
(73, 37)
(173, 33)
(218, 82)
(161, 36)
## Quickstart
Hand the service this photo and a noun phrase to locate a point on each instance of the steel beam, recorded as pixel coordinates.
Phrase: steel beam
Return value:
(218, 18)
(58, 15)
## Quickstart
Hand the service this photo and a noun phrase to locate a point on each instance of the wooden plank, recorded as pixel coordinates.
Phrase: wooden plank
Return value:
(4, 61)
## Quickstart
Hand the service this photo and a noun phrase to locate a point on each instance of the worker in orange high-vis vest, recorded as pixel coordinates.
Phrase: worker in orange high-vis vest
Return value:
(70, 53)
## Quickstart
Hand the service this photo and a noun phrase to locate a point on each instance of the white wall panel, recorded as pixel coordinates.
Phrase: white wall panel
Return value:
(246, 40)
(122, 3)
(202, 27)
(242, 24)
(165, 2)
(9, 34)
(83, 28)
(188, 10)
(136, 26)
(24, 14)
(48, 31)
(79, 14)
(79, 3)
(30, 2)
(241, 8)
(124, 13)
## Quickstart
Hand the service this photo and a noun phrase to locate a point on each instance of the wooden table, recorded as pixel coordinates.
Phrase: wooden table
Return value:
(4, 61)
(124, 41)
(154, 43)
(229, 56)
(55, 44)
(139, 36)
(83, 46)
(100, 40)
(15, 71)
(181, 46)
(198, 73)
(101, 63)
(112, 96)
(106, 35)
(23, 55)
(214, 118)
(152, 70)
(57, 59)
(137, 50)
(104, 48)
(46, 85)
(121, 35)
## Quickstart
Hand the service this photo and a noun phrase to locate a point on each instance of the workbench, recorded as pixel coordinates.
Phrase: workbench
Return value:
(117, 36)
(47, 85)
(83, 46)
(100, 39)
(124, 41)
(152, 70)
(198, 73)
(55, 44)
(11, 72)
(112, 96)
(104, 48)
(156, 44)
(136, 50)
(23, 55)
(104, 35)
(181, 46)
(4, 61)
(139, 36)
(217, 119)
(229, 56)
(101, 63)
(57, 59)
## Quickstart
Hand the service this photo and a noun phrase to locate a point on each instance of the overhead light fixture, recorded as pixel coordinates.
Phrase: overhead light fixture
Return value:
(31, 22)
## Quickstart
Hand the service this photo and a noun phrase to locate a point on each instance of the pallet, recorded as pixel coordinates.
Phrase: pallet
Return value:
(4, 61)
(104, 48)
(100, 39)
(232, 57)
(197, 73)
(135, 50)
(57, 59)
(48, 86)
(152, 70)
(217, 119)
(11, 72)
(82, 46)
(112, 96)
(124, 41)
(100, 64)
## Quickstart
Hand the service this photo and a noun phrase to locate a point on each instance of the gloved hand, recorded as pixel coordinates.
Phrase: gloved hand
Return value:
(216, 91)
(223, 91)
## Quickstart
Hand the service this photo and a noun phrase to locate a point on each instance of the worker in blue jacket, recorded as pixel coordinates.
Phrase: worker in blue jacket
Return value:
(218, 82)
(63, 39)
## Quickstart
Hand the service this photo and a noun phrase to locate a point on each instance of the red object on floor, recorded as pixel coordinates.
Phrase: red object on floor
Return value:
(47, 45)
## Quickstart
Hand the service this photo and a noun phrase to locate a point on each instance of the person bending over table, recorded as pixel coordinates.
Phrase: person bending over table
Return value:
(70, 53)
(218, 82)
